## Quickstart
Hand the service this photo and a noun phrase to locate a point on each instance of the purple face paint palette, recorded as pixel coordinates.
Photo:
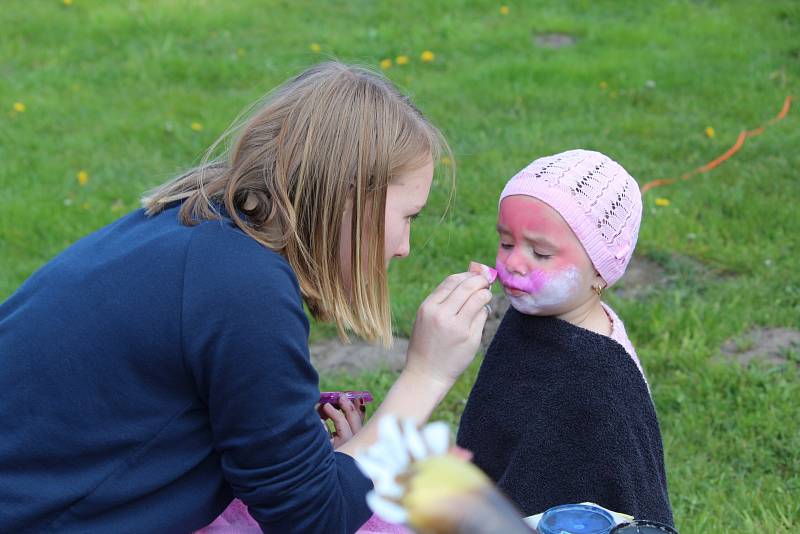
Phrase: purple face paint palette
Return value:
(332, 397)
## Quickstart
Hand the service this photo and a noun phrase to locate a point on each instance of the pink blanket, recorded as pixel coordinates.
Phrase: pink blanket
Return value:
(236, 520)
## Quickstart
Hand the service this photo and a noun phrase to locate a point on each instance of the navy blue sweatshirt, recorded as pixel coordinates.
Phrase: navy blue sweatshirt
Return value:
(151, 372)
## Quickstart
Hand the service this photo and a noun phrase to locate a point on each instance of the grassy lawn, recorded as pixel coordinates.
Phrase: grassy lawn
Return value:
(130, 92)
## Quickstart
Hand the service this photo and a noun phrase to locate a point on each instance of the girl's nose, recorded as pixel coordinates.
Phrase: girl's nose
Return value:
(404, 249)
(516, 263)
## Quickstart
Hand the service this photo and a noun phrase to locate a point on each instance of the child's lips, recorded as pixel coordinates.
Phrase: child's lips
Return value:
(514, 292)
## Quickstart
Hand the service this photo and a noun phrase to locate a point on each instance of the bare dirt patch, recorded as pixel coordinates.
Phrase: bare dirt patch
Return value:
(773, 346)
(333, 356)
(645, 275)
(642, 276)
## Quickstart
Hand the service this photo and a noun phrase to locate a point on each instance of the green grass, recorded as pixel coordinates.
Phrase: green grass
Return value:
(112, 88)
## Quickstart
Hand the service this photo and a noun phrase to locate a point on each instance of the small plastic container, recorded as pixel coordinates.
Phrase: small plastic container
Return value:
(576, 519)
(332, 397)
(644, 526)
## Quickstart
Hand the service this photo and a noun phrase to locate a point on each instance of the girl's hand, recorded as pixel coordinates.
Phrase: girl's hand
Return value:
(347, 419)
(447, 331)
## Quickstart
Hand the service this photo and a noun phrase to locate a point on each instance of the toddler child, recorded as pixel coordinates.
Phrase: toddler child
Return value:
(561, 411)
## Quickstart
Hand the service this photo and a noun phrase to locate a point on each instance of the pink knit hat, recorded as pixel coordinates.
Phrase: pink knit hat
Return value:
(597, 198)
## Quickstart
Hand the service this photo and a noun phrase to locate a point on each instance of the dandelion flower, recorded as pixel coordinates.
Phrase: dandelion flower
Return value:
(19, 107)
(401, 60)
(427, 56)
(504, 10)
(710, 132)
(662, 202)
(67, 2)
(603, 86)
(83, 178)
(197, 126)
(314, 47)
(419, 481)
(446, 161)
(386, 63)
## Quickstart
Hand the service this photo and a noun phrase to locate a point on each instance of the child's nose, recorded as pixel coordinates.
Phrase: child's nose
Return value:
(516, 262)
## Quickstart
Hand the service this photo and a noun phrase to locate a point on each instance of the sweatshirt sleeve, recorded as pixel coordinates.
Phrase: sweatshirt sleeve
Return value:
(245, 341)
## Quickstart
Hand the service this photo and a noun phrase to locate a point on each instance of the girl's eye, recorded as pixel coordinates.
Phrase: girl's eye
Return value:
(506, 246)
(542, 256)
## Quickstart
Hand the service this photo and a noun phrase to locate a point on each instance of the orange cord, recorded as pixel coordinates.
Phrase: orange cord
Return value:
(787, 103)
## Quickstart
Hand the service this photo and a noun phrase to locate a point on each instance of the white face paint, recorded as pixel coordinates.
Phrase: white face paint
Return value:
(558, 289)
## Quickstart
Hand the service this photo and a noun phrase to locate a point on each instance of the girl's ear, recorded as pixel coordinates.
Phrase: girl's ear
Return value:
(598, 285)
(599, 280)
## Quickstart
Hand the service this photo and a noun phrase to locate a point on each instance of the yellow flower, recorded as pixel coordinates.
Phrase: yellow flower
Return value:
(386, 63)
(446, 161)
(197, 126)
(314, 47)
(603, 86)
(83, 178)
(710, 132)
(427, 56)
(67, 2)
(662, 202)
(504, 10)
(401, 60)
(19, 107)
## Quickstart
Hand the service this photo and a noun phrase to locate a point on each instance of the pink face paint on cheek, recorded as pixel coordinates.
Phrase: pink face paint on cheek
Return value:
(552, 298)
(531, 283)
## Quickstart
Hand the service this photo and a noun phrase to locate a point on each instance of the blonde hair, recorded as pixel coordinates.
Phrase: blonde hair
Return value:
(333, 132)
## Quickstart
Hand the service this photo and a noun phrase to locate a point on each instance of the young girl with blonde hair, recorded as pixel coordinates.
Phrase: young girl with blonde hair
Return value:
(159, 367)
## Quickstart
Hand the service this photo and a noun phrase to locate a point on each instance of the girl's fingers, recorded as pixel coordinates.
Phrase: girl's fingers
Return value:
(446, 288)
(475, 303)
(340, 424)
(351, 413)
(362, 410)
(454, 303)
(479, 321)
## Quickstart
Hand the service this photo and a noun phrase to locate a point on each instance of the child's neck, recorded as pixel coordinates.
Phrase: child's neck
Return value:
(590, 315)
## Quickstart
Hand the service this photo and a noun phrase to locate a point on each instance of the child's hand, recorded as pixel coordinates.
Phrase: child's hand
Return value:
(347, 419)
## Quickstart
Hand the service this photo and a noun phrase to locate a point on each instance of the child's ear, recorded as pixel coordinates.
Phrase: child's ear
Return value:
(599, 280)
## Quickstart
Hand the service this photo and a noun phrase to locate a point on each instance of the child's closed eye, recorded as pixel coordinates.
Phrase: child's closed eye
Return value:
(537, 255)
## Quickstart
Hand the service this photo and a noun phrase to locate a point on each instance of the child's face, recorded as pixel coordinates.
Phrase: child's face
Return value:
(540, 262)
